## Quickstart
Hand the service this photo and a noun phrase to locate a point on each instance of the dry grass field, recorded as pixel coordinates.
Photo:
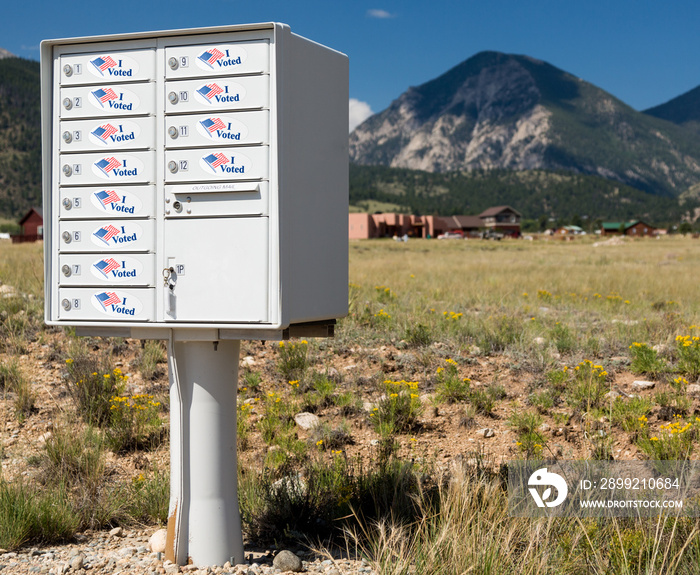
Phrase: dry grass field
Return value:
(456, 357)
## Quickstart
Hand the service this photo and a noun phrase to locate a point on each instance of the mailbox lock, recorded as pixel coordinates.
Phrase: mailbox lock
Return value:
(172, 98)
(177, 206)
(67, 138)
(172, 132)
(173, 63)
(67, 170)
(66, 271)
(66, 237)
(67, 204)
(67, 103)
(66, 304)
(172, 166)
(68, 70)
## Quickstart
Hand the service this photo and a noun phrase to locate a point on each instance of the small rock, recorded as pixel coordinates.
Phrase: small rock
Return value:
(486, 432)
(117, 532)
(374, 442)
(540, 340)
(640, 384)
(248, 360)
(172, 569)
(157, 541)
(307, 420)
(287, 561)
(334, 375)
(612, 394)
(543, 427)
(693, 390)
(77, 562)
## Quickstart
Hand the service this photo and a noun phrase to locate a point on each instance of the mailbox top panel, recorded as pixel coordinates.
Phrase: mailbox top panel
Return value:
(232, 58)
(115, 66)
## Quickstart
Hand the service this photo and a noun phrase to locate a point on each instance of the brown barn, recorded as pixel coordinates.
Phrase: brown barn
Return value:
(32, 225)
(636, 228)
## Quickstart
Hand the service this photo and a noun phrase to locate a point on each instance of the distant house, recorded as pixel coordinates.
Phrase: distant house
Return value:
(501, 219)
(636, 228)
(568, 232)
(32, 225)
(468, 226)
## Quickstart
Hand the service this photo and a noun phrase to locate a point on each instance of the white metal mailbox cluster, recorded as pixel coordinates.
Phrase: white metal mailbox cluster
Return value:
(195, 178)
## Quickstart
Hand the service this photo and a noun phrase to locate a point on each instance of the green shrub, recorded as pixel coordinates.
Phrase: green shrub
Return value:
(152, 354)
(75, 460)
(587, 387)
(398, 410)
(450, 387)
(293, 359)
(688, 350)
(91, 384)
(134, 423)
(418, 335)
(526, 425)
(645, 360)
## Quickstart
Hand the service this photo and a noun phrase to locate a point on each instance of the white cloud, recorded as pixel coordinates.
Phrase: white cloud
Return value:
(359, 112)
(376, 13)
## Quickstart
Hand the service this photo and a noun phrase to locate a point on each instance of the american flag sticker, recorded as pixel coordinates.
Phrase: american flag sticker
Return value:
(107, 197)
(102, 63)
(208, 91)
(107, 298)
(215, 160)
(211, 56)
(106, 233)
(107, 265)
(211, 125)
(106, 165)
(104, 132)
(103, 96)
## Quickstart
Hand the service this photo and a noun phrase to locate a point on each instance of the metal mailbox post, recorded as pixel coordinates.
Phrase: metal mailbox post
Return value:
(195, 189)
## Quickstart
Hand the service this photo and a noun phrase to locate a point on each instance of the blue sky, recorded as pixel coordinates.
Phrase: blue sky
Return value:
(645, 52)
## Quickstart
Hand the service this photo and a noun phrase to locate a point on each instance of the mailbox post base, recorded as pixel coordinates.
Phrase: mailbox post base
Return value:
(204, 524)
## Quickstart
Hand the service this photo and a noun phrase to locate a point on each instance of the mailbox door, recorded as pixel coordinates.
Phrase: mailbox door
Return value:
(109, 168)
(106, 304)
(124, 270)
(215, 94)
(105, 202)
(106, 236)
(222, 164)
(221, 270)
(108, 100)
(116, 66)
(225, 59)
(218, 129)
(107, 134)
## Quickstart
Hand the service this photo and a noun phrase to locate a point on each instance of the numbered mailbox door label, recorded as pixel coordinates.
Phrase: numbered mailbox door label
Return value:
(239, 128)
(106, 303)
(107, 100)
(96, 68)
(213, 94)
(107, 168)
(218, 59)
(106, 269)
(217, 164)
(107, 202)
(106, 236)
(111, 134)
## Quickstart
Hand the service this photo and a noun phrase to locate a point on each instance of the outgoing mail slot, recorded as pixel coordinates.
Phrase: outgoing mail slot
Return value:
(217, 59)
(110, 134)
(106, 303)
(106, 236)
(214, 94)
(96, 68)
(107, 202)
(217, 164)
(214, 199)
(106, 269)
(107, 168)
(217, 129)
(107, 100)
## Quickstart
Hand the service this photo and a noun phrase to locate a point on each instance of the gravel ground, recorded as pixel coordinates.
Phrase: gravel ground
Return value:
(129, 554)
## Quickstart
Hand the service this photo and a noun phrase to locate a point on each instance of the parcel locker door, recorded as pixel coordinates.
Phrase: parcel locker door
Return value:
(119, 66)
(110, 168)
(217, 59)
(107, 134)
(217, 164)
(221, 270)
(215, 94)
(108, 100)
(218, 129)
(103, 202)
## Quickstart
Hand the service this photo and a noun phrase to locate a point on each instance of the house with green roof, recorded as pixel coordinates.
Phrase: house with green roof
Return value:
(635, 228)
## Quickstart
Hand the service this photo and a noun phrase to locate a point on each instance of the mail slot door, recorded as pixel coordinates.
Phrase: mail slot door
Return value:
(102, 269)
(107, 167)
(100, 67)
(217, 164)
(106, 303)
(107, 134)
(217, 129)
(107, 100)
(106, 236)
(103, 202)
(216, 94)
(227, 59)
